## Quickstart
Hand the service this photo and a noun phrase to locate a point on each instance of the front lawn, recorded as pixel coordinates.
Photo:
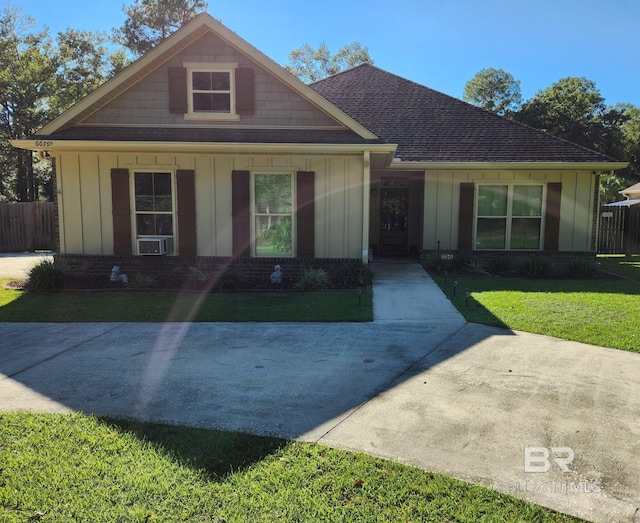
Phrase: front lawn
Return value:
(599, 312)
(158, 306)
(62, 468)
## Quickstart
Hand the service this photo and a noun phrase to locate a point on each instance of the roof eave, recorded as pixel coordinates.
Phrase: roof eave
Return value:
(57, 146)
(504, 165)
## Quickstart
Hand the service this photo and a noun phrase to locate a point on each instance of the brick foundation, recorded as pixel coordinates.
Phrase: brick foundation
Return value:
(181, 268)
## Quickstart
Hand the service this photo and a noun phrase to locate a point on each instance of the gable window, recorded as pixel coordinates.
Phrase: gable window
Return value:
(509, 217)
(273, 214)
(211, 91)
(154, 208)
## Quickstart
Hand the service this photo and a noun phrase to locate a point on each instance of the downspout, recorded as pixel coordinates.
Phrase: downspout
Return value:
(366, 203)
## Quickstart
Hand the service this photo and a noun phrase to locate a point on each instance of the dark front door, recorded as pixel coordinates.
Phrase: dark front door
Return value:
(394, 220)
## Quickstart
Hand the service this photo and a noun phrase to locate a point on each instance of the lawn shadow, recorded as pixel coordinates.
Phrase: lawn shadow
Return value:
(214, 453)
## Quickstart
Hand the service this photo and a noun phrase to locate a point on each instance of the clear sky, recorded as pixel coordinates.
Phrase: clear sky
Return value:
(439, 43)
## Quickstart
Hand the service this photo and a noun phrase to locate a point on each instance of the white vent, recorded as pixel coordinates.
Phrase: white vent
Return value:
(152, 246)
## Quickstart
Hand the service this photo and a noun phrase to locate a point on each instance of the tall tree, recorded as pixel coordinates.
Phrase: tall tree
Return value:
(494, 90)
(27, 76)
(310, 64)
(40, 78)
(571, 108)
(84, 63)
(151, 21)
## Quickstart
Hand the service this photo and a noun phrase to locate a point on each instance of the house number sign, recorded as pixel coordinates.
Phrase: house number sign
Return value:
(44, 143)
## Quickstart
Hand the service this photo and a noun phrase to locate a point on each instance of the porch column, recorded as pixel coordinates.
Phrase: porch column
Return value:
(366, 192)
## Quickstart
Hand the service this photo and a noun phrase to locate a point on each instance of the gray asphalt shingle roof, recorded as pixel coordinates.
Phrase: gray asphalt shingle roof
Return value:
(429, 126)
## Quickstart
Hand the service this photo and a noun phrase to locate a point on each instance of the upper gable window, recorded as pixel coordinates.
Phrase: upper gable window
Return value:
(211, 91)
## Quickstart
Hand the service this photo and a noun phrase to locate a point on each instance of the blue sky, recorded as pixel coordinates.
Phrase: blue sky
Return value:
(438, 43)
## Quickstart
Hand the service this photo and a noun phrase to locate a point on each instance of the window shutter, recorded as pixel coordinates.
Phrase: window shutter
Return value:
(241, 212)
(552, 217)
(121, 205)
(186, 200)
(305, 214)
(465, 216)
(177, 90)
(244, 91)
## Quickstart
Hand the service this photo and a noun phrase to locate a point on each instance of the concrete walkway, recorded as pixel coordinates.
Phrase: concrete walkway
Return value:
(418, 385)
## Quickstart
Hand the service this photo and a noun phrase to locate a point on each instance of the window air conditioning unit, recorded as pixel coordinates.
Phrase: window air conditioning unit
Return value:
(152, 246)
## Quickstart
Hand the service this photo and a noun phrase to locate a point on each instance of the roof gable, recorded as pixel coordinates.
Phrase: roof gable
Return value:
(114, 96)
(429, 126)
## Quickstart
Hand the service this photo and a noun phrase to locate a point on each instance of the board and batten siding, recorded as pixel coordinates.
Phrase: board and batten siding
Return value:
(85, 205)
(442, 204)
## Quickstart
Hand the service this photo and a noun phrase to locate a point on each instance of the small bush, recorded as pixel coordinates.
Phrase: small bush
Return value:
(232, 279)
(356, 274)
(477, 266)
(581, 269)
(499, 265)
(535, 267)
(144, 281)
(47, 275)
(312, 280)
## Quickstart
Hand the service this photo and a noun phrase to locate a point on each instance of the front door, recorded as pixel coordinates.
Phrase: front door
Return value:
(394, 220)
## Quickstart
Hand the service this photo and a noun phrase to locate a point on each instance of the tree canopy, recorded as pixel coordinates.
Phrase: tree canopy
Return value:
(494, 90)
(40, 78)
(310, 64)
(573, 109)
(151, 21)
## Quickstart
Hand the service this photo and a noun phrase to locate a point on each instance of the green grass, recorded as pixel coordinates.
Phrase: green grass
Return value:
(68, 306)
(599, 312)
(62, 468)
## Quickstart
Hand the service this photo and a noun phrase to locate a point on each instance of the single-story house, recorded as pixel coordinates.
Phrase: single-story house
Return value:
(206, 148)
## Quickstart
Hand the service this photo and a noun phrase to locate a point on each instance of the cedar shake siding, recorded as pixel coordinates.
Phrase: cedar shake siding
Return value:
(148, 102)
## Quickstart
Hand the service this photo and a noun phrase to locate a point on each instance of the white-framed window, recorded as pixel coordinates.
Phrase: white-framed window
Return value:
(273, 216)
(509, 216)
(154, 207)
(211, 91)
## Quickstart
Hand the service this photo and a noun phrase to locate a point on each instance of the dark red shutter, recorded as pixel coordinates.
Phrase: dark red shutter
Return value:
(244, 91)
(177, 90)
(552, 217)
(305, 214)
(186, 200)
(465, 217)
(241, 212)
(121, 205)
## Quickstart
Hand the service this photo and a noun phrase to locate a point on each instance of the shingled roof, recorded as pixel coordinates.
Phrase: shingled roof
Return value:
(429, 126)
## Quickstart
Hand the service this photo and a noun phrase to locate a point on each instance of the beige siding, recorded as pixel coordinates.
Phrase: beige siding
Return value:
(86, 225)
(147, 102)
(442, 191)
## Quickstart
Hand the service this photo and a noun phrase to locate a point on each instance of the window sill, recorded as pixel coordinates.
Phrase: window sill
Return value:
(228, 117)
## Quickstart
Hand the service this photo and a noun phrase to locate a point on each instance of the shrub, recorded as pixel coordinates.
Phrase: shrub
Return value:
(144, 281)
(356, 274)
(232, 278)
(312, 280)
(535, 267)
(47, 275)
(499, 265)
(581, 268)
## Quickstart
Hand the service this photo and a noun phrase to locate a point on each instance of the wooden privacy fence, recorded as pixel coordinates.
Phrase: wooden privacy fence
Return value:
(26, 227)
(619, 230)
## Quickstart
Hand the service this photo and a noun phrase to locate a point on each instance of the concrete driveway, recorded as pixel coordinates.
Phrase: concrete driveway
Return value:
(17, 265)
(552, 421)
(465, 400)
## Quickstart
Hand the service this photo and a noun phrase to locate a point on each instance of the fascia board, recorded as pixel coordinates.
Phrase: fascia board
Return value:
(56, 146)
(430, 166)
